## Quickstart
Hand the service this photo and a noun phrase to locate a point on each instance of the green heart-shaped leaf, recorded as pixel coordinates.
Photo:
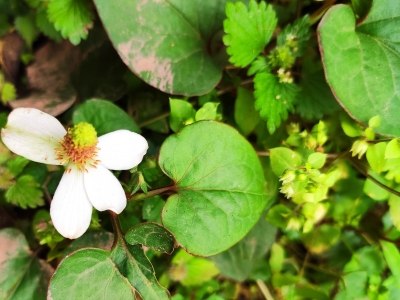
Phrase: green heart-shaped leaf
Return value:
(362, 62)
(220, 187)
(89, 274)
(151, 235)
(167, 43)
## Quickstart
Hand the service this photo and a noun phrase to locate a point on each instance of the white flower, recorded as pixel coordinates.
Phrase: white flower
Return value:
(87, 181)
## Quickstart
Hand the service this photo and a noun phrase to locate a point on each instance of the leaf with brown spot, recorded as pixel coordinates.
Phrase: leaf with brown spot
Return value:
(22, 275)
(172, 45)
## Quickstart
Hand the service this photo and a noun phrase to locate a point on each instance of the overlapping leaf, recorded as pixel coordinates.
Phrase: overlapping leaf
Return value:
(219, 183)
(361, 62)
(273, 99)
(167, 43)
(22, 275)
(248, 30)
(72, 18)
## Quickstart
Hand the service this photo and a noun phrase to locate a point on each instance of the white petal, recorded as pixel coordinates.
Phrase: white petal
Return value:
(121, 149)
(104, 190)
(71, 209)
(33, 134)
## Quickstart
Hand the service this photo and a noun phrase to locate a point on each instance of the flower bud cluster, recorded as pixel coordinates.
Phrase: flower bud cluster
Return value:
(310, 140)
(361, 145)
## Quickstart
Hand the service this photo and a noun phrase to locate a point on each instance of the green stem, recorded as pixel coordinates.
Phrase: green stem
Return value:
(118, 233)
(316, 16)
(159, 117)
(142, 196)
(385, 187)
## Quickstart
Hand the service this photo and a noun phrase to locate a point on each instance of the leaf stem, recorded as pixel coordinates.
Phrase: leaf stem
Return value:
(314, 18)
(118, 233)
(262, 153)
(142, 196)
(264, 289)
(385, 187)
(155, 119)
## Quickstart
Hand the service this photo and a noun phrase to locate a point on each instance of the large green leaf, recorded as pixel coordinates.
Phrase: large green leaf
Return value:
(220, 187)
(22, 275)
(238, 261)
(362, 62)
(167, 43)
(89, 274)
(104, 116)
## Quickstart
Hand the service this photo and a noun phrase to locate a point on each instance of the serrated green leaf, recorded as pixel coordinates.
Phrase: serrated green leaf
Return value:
(248, 30)
(104, 116)
(45, 26)
(246, 116)
(182, 113)
(17, 164)
(376, 156)
(151, 235)
(22, 276)
(89, 274)
(44, 229)
(317, 160)
(283, 159)
(72, 18)
(36, 170)
(315, 98)
(25, 193)
(209, 182)
(273, 99)
(368, 56)
(259, 65)
(296, 35)
(8, 92)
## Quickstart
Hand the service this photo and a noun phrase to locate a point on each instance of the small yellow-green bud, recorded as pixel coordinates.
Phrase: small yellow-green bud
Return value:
(83, 134)
(281, 57)
(359, 147)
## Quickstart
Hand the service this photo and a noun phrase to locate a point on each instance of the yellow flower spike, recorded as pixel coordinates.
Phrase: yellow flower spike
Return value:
(83, 134)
